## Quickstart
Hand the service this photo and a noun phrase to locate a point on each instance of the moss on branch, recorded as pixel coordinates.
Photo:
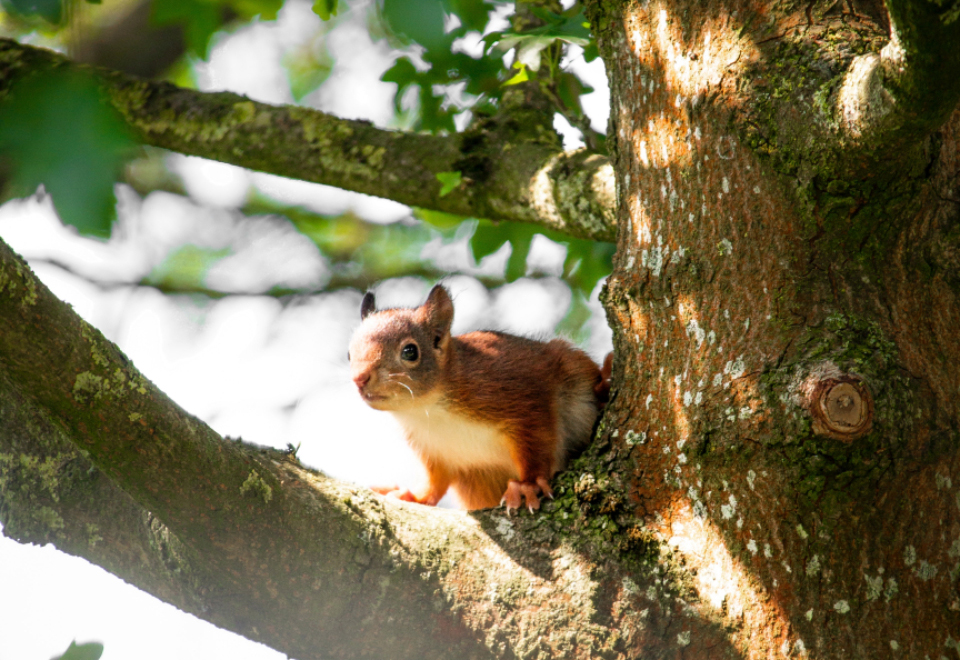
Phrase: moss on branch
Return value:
(525, 178)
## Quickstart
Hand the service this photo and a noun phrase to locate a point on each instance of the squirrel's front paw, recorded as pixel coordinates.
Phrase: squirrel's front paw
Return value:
(517, 491)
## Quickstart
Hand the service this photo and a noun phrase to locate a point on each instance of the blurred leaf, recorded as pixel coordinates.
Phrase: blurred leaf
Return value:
(58, 131)
(520, 77)
(519, 251)
(568, 27)
(49, 10)
(325, 9)
(433, 116)
(570, 88)
(307, 68)
(186, 267)
(487, 238)
(89, 651)
(417, 20)
(587, 263)
(338, 238)
(477, 78)
(591, 51)
(474, 14)
(439, 219)
(403, 74)
(450, 180)
(248, 9)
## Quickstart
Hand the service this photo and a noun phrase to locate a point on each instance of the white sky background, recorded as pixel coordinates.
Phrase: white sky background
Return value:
(248, 365)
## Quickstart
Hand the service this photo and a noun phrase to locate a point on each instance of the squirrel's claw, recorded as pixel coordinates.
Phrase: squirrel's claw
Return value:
(545, 487)
(518, 491)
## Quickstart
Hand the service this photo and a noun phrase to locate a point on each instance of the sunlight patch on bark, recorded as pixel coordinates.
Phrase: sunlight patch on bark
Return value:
(722, 582)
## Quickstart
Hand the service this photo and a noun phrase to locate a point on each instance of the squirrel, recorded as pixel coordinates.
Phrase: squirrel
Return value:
(490, 414)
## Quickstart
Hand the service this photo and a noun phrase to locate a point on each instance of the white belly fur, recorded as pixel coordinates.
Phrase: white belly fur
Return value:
(443, 436)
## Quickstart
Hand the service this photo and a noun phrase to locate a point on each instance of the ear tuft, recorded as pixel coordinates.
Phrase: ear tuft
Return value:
(438, 310)
(368, 305)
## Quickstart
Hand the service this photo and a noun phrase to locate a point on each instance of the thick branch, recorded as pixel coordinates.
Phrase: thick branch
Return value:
(256, 544)
(893, 100)
(507, 176)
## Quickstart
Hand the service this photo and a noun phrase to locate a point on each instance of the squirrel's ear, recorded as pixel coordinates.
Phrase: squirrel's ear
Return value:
(368, 305)
(438, 310)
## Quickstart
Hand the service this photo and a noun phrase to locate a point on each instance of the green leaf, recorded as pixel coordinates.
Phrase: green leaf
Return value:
(186, 267)
(450, 180)
(89, 651)
(433, 116)
(587, 263)
(474, 14)
(519, 251)
(307, 69)
(417, 20)
(248, 9)
(570, 88)
(520, 77)
(325, 9)
(57, 130)
(439, 219)
(487, 238)
(568, 27)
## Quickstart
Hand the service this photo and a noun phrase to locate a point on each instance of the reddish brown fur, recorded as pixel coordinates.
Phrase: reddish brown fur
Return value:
(533, 393)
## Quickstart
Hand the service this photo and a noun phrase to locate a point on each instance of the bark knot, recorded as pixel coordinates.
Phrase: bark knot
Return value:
(839, 404)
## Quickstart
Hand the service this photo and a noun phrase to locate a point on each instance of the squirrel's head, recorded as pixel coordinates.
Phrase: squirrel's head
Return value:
(398, 355)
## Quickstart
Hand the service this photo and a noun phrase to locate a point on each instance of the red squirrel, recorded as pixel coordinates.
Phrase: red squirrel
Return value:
(490, 414)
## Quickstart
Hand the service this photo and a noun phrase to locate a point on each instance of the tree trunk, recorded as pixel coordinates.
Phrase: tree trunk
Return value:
(785, 306)
(775, 475)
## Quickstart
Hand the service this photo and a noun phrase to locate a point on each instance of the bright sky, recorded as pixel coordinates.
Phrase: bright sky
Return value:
(250, 366)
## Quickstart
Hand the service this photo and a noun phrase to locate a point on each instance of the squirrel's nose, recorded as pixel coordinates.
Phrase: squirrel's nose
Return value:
(362, 379)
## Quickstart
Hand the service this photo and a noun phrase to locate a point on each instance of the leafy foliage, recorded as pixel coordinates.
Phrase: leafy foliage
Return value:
(587, 262)
(57, 131)
(325, 9)
(447, 65)
(457, 59)
(569, 27)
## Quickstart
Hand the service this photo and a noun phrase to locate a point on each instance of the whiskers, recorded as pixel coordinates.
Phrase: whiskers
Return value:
(390, 378)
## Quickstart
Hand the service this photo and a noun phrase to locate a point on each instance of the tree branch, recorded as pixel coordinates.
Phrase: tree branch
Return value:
(362, 281)
(893, 100)
(506, 175)
(256, 544)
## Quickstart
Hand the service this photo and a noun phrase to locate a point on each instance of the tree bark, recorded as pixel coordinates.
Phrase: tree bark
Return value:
(783, 303)
(777, 474)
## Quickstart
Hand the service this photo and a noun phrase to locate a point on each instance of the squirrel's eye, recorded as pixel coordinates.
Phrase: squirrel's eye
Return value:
(348, 356)
(410, 353)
